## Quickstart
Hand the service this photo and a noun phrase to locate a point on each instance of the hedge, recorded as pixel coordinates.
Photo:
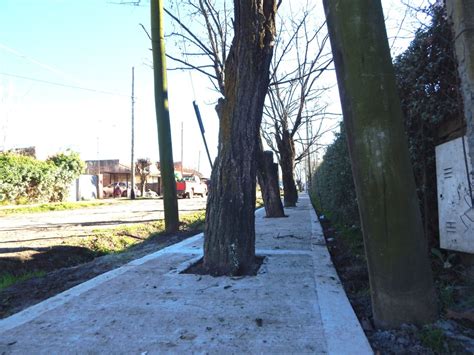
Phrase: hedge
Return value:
(428, 85)
(24, 179)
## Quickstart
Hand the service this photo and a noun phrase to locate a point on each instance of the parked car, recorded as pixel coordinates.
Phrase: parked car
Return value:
(190, 186)
(115, 190)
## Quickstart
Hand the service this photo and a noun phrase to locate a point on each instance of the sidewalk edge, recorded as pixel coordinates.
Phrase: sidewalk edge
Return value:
(342, 329)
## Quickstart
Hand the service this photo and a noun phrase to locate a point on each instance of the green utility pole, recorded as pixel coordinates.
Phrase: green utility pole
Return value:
(163, 117)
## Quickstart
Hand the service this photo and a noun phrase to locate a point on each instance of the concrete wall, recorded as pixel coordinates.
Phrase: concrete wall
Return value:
(86, 187)
(72, 196)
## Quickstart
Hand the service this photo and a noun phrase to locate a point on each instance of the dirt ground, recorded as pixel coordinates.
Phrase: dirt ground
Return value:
(447, 336)
(66, 267)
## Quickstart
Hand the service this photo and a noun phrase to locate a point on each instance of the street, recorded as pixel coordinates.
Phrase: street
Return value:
(35, 229)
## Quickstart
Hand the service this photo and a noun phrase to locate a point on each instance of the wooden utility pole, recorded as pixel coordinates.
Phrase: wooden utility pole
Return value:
(399, 271)
(132, 163)
(162, 117)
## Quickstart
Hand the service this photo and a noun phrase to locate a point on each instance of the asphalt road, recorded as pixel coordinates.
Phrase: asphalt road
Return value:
(33, 228)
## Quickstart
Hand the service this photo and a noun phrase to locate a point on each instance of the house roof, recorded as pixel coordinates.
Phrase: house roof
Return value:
(113, 166)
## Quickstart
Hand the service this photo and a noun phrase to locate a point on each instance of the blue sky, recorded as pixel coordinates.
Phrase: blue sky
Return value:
(91, 44)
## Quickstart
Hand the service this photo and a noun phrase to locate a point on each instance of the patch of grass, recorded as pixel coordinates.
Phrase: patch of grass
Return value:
(6, 280)
(193, 221)
(433, 338)
(47, 207)
(259, 202)
(107, 243)
(119, 239)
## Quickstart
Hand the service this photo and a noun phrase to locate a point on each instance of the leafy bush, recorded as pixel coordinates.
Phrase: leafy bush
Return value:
(26, 179)
(428, 85)
(68, 167)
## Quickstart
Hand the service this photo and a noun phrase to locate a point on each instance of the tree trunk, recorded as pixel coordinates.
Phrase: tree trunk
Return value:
(163, 117)
(267, 173)
(229, 245)
(400, 277)
(286, 148)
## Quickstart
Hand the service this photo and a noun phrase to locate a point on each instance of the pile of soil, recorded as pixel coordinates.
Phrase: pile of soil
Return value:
(67, 267)
(446, 336)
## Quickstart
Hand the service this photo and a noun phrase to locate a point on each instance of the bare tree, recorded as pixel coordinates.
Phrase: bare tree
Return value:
(294, 98)
(207, 55)
(302, 55)
(142, 168)
(204, 50)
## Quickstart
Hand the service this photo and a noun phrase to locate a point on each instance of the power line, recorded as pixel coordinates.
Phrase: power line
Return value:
(36, 62)
(63, 85)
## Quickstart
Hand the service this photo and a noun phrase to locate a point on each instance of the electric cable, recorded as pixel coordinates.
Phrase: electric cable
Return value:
(62, 85)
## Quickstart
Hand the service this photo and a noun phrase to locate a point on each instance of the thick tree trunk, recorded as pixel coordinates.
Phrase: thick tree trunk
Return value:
(229, 245)
(286, 148)
(267, 174)
(399, 271)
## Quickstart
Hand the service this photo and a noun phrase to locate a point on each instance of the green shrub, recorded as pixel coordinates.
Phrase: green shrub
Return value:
(333, 187)
(68, 167)
(26, 179)
(428, 85)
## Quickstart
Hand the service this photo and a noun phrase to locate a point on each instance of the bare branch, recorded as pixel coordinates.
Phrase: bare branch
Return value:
(196, 39)
(190, 66)
(144, 29)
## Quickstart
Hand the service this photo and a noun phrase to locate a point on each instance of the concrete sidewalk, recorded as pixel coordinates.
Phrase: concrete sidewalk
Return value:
(295, 304)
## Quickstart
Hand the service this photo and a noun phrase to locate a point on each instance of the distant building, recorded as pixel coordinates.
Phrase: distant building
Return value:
(185, 171)
(113, 171)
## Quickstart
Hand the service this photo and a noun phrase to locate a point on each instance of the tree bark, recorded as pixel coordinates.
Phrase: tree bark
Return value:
(143, 185)
(286, 148)
(229, 245)
(267, 174)
(163, 117)
(400, 277)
